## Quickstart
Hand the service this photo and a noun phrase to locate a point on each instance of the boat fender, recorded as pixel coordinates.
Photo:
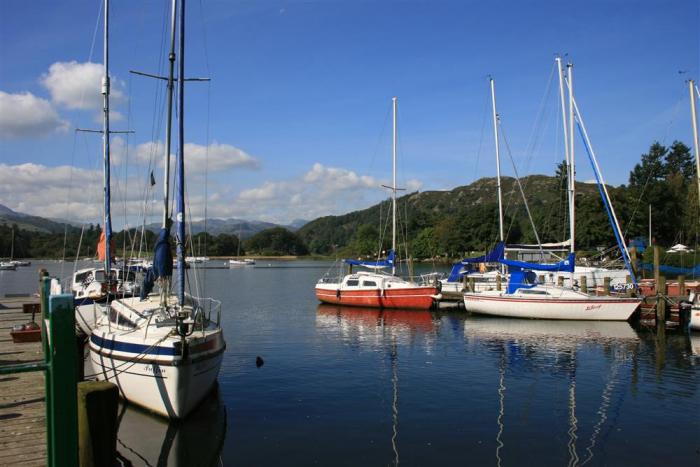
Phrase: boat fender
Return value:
(337, 294)
(438, 286)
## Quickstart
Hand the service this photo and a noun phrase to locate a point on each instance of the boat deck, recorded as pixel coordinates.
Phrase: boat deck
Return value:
(22, 407)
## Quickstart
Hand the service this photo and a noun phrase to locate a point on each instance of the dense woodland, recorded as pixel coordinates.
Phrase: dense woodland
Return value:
(445, 224)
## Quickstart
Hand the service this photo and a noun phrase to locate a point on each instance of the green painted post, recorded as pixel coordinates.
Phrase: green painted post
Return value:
(44, 291)
(62, 375)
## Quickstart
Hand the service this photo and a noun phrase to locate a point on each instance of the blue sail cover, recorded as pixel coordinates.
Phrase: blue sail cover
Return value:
(493, 256)
(563, 266)
(163, 256)
(521, 275)
(694, 271)
(382, 263)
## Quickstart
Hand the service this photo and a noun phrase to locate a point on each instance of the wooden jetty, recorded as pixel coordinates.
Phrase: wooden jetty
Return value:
(22, 404)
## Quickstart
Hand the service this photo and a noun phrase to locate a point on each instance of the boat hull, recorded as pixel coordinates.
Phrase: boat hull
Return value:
(594, 308)
(154, 378)
(421, 298)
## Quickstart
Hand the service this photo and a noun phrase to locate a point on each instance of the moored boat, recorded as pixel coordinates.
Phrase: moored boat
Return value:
(375, 288)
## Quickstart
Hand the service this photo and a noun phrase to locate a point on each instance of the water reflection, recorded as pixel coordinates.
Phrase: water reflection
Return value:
(385, 330)
(536, 346)
(372, 326)
(144, 439)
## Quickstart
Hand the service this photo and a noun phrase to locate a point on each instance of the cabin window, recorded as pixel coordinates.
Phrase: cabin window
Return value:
(353, 282)
(369, 284)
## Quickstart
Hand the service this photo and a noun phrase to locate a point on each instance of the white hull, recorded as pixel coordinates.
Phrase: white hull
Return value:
(694, 324)
(136, 347)
(553, 304)
(171, 391)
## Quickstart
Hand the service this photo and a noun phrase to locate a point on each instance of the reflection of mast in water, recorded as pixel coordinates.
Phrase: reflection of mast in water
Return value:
(501, 397)
(395, 401)
(573, 421)
(603, 409)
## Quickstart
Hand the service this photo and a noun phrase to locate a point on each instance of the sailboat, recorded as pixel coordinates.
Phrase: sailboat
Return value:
(163, 350)
(375, 288)
(237, 261)
(524, 297)
(10, 265)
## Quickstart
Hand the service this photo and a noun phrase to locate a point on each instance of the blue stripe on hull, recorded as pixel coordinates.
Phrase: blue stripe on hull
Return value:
(116, 346)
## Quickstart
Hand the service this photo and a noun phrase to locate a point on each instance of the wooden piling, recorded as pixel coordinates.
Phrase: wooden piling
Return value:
(471, 284)
(584, 283)
(656, 267)
(681, 286)
(560, 281)
(498, 282)
(606, 285)
(629, 290)
(661, 301)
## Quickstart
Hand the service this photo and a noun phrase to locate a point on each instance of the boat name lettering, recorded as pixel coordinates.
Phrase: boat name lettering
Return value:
(592, 307)
(156, 370)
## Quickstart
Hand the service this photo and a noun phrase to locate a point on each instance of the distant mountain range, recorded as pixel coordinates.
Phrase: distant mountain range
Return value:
(240, 227)
(214, 226)
(33, 223)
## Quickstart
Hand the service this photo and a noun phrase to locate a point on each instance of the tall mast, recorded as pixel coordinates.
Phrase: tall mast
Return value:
(564, 120)
(105, 147)
(180, 208)
(169, 120)
(572, 163)
(393, 185)
(498, 160)
(694, 118)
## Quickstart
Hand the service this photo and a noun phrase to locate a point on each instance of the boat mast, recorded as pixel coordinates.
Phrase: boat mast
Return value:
(572, 163)
(694, 118)
(567, 157)
(498, 160)
(180, 207)
(169, 119)
(393, 186)
(105, 147)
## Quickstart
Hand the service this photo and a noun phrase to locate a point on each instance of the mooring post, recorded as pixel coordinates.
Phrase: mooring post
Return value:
(560, 281)
(661, 301)
(606, 285)
(681, 286)
(583, 280)
(61, 375)
(499, 283)
(656, 267)
(629, 290)
(471, 284)
(633, 259)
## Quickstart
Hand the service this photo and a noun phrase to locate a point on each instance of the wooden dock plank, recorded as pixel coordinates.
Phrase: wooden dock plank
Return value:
(22, 406)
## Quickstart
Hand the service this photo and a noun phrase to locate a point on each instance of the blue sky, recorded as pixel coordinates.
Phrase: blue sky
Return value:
(296, 119)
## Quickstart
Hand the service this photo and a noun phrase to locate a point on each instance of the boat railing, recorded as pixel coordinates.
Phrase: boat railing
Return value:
(207, 310)
(330, 279)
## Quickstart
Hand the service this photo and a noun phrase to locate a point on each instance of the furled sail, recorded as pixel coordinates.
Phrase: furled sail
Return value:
(382, 263)
(102, 246)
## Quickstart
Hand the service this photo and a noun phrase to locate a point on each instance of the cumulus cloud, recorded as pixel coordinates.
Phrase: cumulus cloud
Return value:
(198, 158)
(78, 86)
(24, 114)
(320, 191)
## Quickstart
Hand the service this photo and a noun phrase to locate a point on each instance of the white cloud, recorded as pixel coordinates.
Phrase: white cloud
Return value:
(216, 158)
(320, 191)
(78, 86)
(24, 114)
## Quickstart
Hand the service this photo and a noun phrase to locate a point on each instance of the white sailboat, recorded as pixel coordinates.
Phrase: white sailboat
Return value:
(525, 297)
(164, 350)
(375, 288)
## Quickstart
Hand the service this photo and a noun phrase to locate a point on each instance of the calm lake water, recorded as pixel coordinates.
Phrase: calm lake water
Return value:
(344, 386)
